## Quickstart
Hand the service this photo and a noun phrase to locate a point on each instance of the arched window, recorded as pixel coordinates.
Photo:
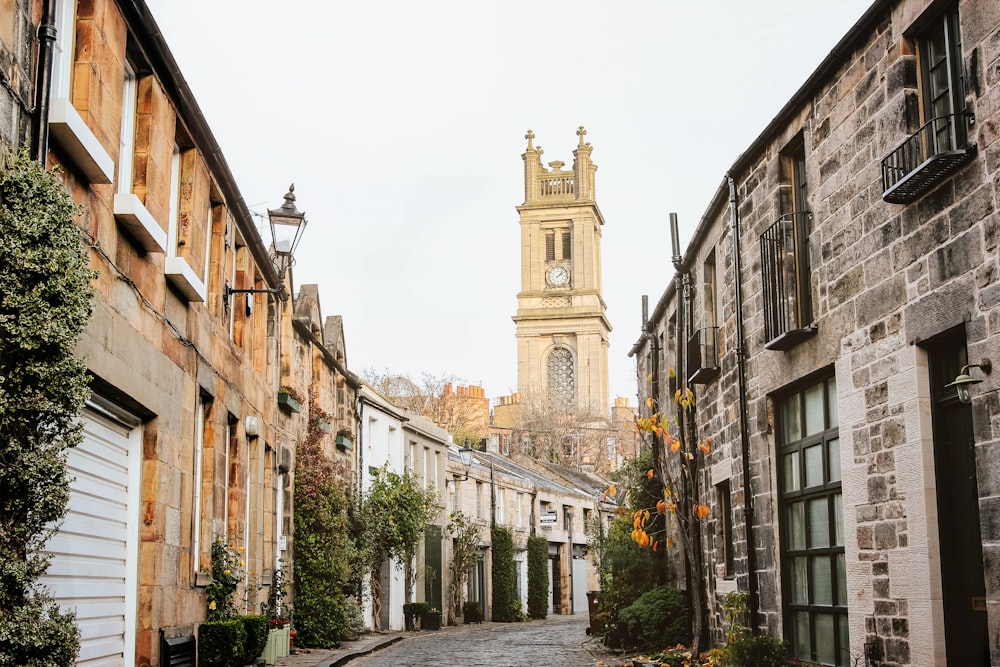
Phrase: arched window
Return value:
(562, 385)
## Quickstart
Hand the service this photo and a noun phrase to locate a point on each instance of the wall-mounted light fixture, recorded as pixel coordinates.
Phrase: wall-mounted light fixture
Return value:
(465, 453)
(964, 381)
(287, 224)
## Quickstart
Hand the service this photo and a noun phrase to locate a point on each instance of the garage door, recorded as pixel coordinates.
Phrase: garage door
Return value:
(94, 553)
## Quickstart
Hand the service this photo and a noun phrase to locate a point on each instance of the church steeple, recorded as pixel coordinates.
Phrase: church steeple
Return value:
(562, 328)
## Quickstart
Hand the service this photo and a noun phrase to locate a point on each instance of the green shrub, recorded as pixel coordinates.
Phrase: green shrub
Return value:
(538, 577)
(657, 619)
(472, 612)
(221, 643)
(415, 607)
(45, 302)
(256, 628)
(757, 651)
(506, 605)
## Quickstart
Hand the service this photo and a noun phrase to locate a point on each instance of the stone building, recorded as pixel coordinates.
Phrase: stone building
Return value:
(194, 331)
(843, 276)
(530, 499)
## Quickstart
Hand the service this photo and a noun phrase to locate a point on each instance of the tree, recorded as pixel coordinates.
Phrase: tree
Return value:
(391, 519)
(466, 534)
(677, 460)
(323, 546)
(45, 302)
(432, 396)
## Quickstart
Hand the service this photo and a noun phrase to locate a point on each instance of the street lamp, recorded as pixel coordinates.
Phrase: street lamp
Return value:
(287, 225)
(964, 381)
(465, 453)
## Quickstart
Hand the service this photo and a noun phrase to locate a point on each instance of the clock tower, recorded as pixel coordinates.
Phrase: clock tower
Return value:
(562, 328)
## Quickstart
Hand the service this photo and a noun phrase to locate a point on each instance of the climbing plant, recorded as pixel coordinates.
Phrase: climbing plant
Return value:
(466, 535)
(323, 546)
(506, 605)
(538, 577)
(391, 518)
(45, 302)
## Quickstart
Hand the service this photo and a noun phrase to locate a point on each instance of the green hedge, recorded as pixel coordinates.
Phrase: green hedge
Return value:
(221, 643)
(256, 628)
(472, 612)
(538, 577)
(657, 619)
(506, 605)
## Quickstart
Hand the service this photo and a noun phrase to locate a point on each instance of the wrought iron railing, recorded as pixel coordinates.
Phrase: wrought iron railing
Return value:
(703, 355)
(784, 263)
(929, 155)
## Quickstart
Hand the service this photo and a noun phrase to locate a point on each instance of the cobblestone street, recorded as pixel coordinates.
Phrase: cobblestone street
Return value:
(558, 640)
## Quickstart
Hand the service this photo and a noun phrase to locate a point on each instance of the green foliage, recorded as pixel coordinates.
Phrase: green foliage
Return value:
(323, 547)
(506, 605)
(227, 572)
(657, 619)
(465, 533)
(275, 608)
(45, 302)
(256, 629)
(472, 612)
(756, 651)
(627, 571)
(221, 643)
(538, 577)
(390, 523)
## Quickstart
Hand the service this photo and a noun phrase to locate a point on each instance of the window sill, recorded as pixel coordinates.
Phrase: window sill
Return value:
(180, 274)
(81, 145)
(140, 223)
(789, 339)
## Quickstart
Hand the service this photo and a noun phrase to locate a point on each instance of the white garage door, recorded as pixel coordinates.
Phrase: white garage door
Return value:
(94, 553)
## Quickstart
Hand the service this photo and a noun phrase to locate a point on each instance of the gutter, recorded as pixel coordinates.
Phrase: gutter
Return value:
(39, 140)
(741, 363)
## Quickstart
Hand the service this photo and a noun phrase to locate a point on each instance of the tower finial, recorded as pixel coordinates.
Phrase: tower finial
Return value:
(529, 136)
(581, 133)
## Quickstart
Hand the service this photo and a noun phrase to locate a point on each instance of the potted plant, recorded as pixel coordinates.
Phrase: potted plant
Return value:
(289, 399)
(472, 612)
(431, 619)
(413, 611)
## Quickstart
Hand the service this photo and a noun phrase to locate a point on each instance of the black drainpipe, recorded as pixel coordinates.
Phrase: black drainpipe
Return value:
(741, 363)
(43, 83)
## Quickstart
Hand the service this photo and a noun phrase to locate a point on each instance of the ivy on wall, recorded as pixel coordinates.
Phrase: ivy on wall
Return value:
(506, 605)
(45, 302)
(538, 577)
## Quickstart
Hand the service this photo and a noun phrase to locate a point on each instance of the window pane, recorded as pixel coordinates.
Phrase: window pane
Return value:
(845, 639)
(791, 472)
(831, 402)
(815, 421)
(803, 647)
(822, 580)
(819, 523)
(790, 419)
(838, 520)
(800, 580)
(796, 526)
(825, 651)
(833, 459)
(841, 582)
(814, 465)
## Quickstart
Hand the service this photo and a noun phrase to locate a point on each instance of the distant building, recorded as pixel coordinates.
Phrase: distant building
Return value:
(841, 278)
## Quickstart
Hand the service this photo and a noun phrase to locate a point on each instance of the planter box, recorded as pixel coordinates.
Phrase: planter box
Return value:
(344, 442)
(286, 402)
(325, 426)
(430, 620)
(277, 646)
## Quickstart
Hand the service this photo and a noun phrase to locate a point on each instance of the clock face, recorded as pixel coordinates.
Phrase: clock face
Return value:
(557, 276)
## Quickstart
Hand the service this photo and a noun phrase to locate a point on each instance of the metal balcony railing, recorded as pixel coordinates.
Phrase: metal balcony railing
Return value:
(703, 355)
(932, 153)
(785, 278)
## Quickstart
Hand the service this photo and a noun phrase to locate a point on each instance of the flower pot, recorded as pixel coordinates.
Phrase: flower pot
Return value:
(288, 403)
(430, 620)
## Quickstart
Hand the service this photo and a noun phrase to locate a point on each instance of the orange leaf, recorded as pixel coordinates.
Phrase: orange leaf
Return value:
(661, 506)
(649, 474)
(705, 445)
(670, 542)
(701, 511)
(650, 402)
(656, 545)
(612, 490)
(675, 445)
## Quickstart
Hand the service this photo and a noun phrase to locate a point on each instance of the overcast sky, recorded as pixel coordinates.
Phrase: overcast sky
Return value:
(402, 124)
